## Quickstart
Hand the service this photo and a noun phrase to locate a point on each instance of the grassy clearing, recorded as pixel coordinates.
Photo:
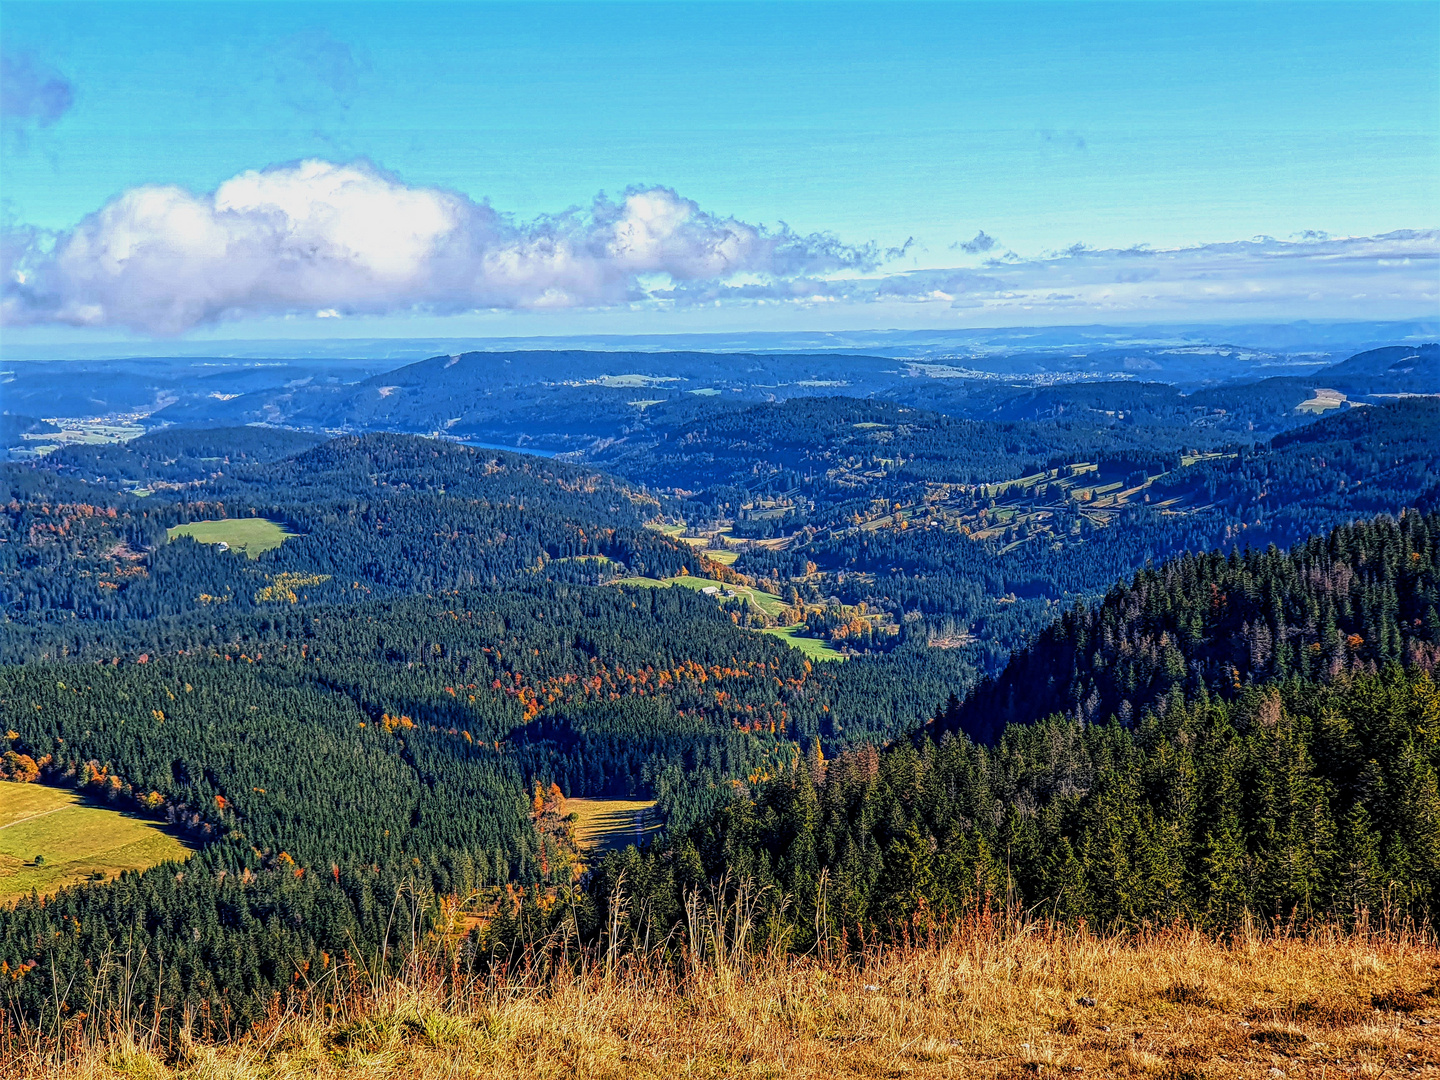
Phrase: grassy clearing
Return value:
(79, 433)
(766, 602)
(612, 823)
(1039, 1001)
(1321, 401)
(677, 532)
(77, 841)
(253, 536)
(1186, 460)
(813, 648)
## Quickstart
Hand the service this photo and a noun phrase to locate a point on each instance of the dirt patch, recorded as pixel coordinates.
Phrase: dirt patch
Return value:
(1398, 999)
(1279, 1038)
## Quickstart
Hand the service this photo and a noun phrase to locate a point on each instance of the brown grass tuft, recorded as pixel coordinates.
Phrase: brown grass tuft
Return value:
(1399, 999)
(1044, 1001)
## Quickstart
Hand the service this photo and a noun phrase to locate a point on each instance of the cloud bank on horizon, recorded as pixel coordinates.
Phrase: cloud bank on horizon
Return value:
(320, 239)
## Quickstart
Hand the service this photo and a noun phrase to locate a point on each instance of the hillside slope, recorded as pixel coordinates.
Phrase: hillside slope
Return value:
(1365, 596)
(375, 515)
(1398, 369)
(1168, 757)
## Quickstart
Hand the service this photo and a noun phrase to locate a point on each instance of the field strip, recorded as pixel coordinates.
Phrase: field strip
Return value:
(608, 823)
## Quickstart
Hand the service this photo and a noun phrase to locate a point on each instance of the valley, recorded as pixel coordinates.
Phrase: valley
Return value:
(765, 674)
(826, 540)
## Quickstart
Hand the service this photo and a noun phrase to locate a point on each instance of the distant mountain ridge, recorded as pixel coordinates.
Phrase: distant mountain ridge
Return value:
(581, 401)
(1398, 369)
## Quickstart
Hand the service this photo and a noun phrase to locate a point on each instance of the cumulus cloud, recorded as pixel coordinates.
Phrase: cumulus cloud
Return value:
(31, 94)
(317, 236)
(325, 241)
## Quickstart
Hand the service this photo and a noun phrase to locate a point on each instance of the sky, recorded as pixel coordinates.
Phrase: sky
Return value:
(289, 169)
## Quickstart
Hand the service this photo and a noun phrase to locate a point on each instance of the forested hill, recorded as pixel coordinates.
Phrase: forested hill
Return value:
(834, 451)
(1395, 369)
(1225, 738)
(1364, 596)
(178, 455)
(375, 515)
(1393, 429)
(1304, 803)
(273, 464)
(359, 465)
(1354, 463)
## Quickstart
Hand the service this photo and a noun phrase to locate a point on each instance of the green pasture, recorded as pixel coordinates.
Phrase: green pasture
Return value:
(76, 841)
(254, 536)
(813, 648)
(766, 602)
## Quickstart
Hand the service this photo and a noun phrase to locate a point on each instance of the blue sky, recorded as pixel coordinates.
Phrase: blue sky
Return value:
(783, 155)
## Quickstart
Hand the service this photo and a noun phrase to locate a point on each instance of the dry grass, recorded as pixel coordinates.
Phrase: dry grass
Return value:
(1321, 401)
(1043, 1002)
(611, 823)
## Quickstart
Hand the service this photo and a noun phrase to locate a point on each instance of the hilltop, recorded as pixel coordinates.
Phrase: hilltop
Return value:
(1038, 1000)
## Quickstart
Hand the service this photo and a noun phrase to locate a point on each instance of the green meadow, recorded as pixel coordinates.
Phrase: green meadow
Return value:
(74, 841)
(769, 603)
(254, 536)
(813, 648)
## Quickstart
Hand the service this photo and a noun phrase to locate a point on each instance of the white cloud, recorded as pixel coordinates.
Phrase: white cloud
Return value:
(354, 240)
(323, 240)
